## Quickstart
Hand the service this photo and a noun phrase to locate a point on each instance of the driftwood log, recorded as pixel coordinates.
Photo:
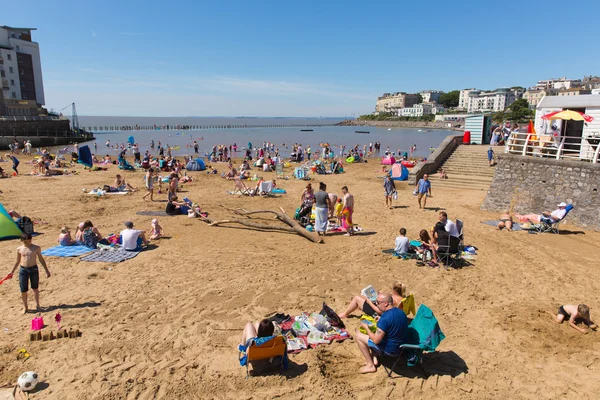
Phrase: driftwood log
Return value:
(281, 216)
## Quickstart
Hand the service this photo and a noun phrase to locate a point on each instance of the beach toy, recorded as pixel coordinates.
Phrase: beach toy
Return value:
(9, 276)
(278, 191)
(28, 381)
(415, 243)
(58, 318)
(310, 228)
(37, 324)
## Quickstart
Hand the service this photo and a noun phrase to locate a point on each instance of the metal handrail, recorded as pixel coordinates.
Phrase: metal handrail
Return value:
(557, 147)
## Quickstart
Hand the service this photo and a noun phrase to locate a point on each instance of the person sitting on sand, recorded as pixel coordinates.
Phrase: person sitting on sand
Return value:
(553, 216)
(574, 313)
(90, 236)
(443, 174)
(391, 332)
(156, 231)
(427, 244)
(401, 243)
(121, 185)
(175, 207)
(132, 239)
(368, 307)
(65, 239)
(505, 221)
(79, 234)
(231, 174)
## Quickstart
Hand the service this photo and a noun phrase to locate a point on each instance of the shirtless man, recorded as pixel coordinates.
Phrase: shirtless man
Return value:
(347, 211)
(26, 255)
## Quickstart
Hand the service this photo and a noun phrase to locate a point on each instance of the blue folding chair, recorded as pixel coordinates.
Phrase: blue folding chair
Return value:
(424, 334)
(549, 225)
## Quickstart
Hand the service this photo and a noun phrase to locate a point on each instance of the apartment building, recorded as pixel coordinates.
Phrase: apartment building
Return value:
(463, 99)
(431, 96)
(497, 100)
(574, 92)
(20, 65)
(392, 102)
(419, 110)
(557, 83)
(533, 96)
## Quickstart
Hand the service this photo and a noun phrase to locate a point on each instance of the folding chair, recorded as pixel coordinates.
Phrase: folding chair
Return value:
(263, 349)
(461, 237)
(548, 225)
(279, 170)
(448, 248)
(424, 334)
(240, 187)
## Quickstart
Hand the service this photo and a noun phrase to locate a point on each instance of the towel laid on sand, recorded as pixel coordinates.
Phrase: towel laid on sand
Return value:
(66, 251)
(516, 226)
(110, 256)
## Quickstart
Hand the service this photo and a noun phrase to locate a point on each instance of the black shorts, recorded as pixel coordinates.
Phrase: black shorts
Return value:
(561, 311)
(27, 274)
(367, 309)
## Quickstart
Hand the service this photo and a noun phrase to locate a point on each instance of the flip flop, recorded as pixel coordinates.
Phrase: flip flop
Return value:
(420, 264)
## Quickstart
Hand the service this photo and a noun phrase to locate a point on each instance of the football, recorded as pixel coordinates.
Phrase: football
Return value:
(28, 381)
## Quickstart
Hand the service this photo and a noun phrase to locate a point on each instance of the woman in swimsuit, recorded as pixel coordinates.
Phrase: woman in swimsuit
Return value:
(368, 307)
(505, 221)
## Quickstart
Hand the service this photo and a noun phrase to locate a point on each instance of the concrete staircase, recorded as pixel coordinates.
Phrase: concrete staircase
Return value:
(467, 168)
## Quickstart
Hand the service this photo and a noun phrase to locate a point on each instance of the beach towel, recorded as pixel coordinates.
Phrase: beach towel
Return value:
(516, 226)
(321, 216)
(347, 218)
(114, 256)
(66, 251)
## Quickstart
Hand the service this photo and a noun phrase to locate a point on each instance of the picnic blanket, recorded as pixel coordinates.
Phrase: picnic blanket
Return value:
(516, 226)
(114, 256)
(66, 251)
(95, 192)
(287, 326)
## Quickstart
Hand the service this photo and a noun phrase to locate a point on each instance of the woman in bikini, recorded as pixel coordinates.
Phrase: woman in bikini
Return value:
(506, 221)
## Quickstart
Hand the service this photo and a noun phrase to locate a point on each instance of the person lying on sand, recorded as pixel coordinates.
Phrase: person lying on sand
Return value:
(368, 307)
(505, 221)
(574, 313)
(391, 332)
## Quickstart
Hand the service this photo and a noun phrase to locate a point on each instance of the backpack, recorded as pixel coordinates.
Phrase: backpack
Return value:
(331, 316)
(26, 225)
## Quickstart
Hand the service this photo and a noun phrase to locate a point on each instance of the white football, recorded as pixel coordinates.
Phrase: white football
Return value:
(28, 380)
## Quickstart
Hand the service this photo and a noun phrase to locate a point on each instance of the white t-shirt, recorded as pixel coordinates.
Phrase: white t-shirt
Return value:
(401, 245)
(558, 214)
(451, 228)
(129, 238)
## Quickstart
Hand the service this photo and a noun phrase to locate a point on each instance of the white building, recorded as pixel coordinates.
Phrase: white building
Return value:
(463, 99)
(495, 101)
(431, 96)
(557, 83)
(419, 110)
(20, 65)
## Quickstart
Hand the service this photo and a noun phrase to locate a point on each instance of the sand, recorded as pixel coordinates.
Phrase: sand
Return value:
(166, 324)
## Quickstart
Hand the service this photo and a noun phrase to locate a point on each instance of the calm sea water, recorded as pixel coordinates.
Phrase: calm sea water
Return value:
(283, 138)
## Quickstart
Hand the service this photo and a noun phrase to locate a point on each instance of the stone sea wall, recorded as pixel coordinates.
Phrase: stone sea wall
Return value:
(532, 185)
(397, 124)
(435, 160)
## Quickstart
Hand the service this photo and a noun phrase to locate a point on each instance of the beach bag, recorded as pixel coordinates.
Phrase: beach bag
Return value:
(331, 316)
(106, 188)
(26, 225)
(395, 195)
(369, 321)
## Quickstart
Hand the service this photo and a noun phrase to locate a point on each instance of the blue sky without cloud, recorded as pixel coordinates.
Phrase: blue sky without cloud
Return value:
(309, 58)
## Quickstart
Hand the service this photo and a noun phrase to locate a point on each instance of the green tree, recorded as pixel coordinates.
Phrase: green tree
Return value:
(419, 98)
(450, 99)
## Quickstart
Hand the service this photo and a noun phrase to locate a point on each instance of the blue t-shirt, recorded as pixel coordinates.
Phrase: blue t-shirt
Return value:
(424, 186)
(395, 325)
(490, 154)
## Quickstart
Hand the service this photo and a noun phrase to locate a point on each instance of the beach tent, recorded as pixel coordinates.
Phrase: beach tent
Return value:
(196, 165)
(8, 227)
(399, 172)
(131, 140)
(84, 156)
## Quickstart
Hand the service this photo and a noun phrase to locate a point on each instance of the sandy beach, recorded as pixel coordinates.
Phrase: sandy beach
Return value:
(166, 324)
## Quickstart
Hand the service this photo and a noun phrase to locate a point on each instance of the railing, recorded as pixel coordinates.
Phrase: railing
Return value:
(33, 118)
(557, 147)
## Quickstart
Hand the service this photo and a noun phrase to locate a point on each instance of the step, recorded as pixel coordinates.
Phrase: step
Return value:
(467, 163)
(468, 173)
(461, 186)
(468, 178)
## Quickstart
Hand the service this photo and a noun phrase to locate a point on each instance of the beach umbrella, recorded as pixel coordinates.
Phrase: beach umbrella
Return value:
(568, 115)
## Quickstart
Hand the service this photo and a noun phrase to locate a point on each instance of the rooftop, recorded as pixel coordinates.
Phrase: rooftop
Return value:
(24, 30)
(581, 101)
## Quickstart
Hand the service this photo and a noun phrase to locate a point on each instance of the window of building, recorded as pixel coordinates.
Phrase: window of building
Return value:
(14, 95)
(10, 69)
(12, 82)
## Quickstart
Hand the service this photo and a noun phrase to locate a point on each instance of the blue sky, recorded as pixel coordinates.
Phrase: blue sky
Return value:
(309, 58)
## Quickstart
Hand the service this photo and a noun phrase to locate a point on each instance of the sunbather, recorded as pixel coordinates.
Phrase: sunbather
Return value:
(552, 217)
(505, 221)
(368, 307)
(121, 185)
(65, 238)
(264, 328)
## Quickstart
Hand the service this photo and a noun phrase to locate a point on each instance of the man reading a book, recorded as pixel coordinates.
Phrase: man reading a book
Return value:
(391, 332)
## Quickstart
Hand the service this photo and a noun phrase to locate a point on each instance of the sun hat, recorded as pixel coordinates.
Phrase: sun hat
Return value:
(562, 204)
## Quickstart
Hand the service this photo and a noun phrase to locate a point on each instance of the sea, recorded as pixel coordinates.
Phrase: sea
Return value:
(397, 139)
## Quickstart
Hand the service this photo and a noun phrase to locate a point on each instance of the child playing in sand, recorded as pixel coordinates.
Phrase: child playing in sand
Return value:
(575, 312)
(65, 238)
(338, 211)
(156, 231)
(26, 256)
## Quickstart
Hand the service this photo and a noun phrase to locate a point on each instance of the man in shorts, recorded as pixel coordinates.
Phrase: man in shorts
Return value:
(423, 189)
(26, 258)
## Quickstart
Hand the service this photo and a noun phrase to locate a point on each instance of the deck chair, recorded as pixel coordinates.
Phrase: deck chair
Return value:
(548, 225)
(265, 188)
(448, 249)
(424, 334)
(279, 170)
(263, 349)
(240, 187)
(461, 236)
(301, 173)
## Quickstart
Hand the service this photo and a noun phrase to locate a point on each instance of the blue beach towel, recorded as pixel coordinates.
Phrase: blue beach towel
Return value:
(66, 251)
(113, 256)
